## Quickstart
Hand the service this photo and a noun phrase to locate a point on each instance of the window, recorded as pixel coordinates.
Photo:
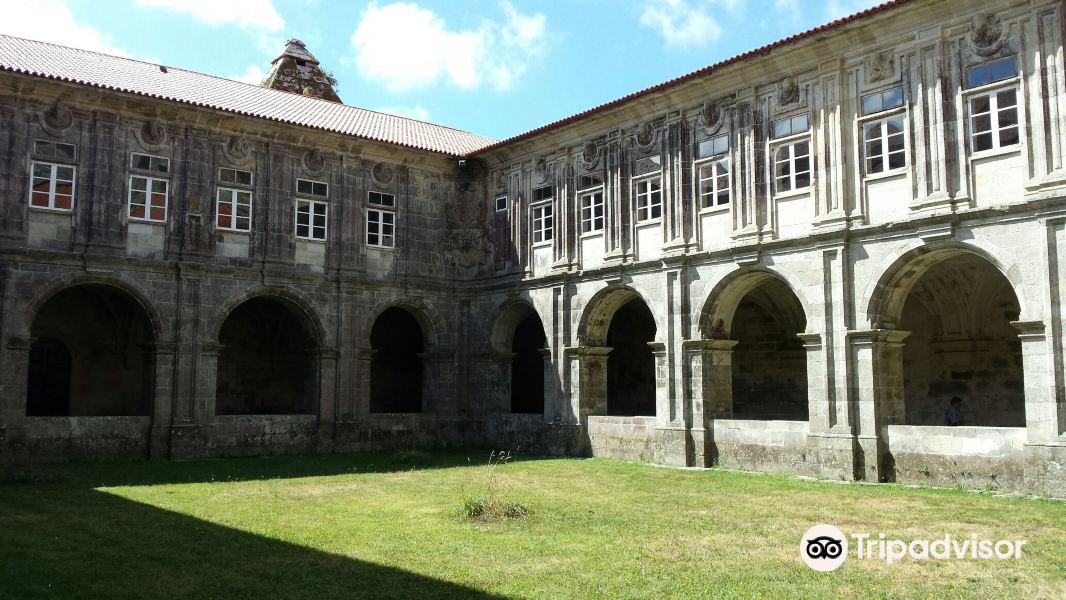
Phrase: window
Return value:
(148, 198)
(380, 228)
(52, 186)
(55, 150)
(713, 147)
(790, 126)
(714, 183)
(501, 204)
(589, 180)
(235, 177)
(648, 164)
(542, 222)
(991, 72)
(591, 211)
(649, 199)
(993, 119)
(792, 166)
(542, 193)
(882, 101)
(155, 165)
(233, 210)
(883, 145)
(306, 187)
(381, 199)
(311, 220)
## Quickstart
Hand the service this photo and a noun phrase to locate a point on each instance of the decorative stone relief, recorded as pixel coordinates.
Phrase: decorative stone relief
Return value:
(152, 134)
(382, 174)
(57, 119)
(236, 150)
(540, 169)
(880, 66)
(788, 92)
(987, 35)
(313, 161)
(467, 244)
(590, 154)
(711, 116)
(645, 134)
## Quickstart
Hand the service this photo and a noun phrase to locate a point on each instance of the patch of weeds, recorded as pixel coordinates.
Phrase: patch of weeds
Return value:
(924, 470)
(495, 500)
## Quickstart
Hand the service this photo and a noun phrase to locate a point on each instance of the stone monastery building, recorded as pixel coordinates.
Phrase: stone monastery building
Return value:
(788, 261)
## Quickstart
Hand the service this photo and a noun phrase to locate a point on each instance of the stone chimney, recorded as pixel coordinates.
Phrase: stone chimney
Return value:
(296, 70)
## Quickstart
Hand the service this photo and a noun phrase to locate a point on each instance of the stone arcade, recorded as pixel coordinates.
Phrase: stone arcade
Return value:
(788, 261)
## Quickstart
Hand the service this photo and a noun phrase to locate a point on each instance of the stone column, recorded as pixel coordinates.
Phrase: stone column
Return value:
(876, 358)
(1044, 411)
(709, 391)
(207, 384)
(327, 398)
(588, 390)
(16, 371)
(819, 410)
(671, 437)
(162, 361)
(551, 387)
(363, 365)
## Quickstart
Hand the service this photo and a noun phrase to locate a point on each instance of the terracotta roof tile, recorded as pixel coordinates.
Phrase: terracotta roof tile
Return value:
(189, 87)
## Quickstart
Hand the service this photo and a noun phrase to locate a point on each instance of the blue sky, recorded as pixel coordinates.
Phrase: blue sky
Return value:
(493, 67)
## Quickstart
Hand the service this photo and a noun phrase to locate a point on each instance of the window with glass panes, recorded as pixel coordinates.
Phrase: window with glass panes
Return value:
(884, 140)
(993, 113)
(541, 217)
(51, 186)
(591, 211)
(791, 153)
(649, 198)
(712, 172)
(311, 219)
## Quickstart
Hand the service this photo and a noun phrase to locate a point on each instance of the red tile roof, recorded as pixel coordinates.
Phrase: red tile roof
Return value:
(696, 74)
(189, 87)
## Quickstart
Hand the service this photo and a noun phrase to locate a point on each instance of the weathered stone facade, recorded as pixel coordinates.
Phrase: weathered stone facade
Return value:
(812, 310)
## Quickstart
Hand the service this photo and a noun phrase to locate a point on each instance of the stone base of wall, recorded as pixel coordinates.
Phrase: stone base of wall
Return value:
(974, 457)
(56, 439)
(623, 438)
(1045, 469)
(771, 446)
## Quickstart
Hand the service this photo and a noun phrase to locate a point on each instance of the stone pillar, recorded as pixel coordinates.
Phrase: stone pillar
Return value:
(162, 361)
(1044, 411)
(551, 387)
(709, 391)
(671, 438)
(327, 398)
(876, 358)
(819, 409)
(364, 360)
(207, 384)
(16, 371)
(588, 390)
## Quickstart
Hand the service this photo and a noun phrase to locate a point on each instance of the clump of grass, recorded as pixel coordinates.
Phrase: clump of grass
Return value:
(495, 500)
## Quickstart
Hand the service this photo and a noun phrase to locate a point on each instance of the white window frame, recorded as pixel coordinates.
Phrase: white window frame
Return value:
(541, 233)
(149, 184)
(715, 163)
(311, 204)
(791, 143)
(879, 123)
(376, 216)
(645, 202)
(53, 180)
(588, 213)
(233, 201)
(992, 91)
(502, 199)
(232, 184)
(311, 194)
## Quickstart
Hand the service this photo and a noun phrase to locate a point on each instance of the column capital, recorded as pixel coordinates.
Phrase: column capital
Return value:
(1030, 330)
(209, 349)
(588, 350)
(701, 345)
(811, 341)
(868, 337)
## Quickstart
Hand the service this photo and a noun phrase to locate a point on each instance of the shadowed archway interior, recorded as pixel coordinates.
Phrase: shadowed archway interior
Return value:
(90, 356)
(396, 365)
(527, 366)
(769, 361)
(267, 364)
(631, 364)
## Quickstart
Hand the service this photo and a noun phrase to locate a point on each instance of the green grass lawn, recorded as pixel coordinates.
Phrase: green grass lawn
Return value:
(389, 525)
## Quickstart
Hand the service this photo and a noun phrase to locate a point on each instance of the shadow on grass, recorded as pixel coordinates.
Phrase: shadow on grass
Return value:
(60, 538)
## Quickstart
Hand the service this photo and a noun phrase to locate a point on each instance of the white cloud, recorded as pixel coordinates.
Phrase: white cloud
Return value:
(411, 112)
(253, 74)
(406, 46)
(682, 24)
(249, 14)
(52, 21)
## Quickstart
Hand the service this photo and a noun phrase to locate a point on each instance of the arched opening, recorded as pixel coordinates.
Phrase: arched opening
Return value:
(527, 366)
(631, 364)
(268, 362)
(396, 365)
(962, 344)
(91, 355)
(769, 361)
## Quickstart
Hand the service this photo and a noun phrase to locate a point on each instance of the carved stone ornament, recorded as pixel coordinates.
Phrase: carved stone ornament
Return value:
(645, 134)
(499, 181)
(880, 66)
(540, 168)
(711, 115)
(382, 174)
(789, 92)
(590, 153)
(236, 149)
(57, 119)
(313, 161)
(987, 36)
(152, 133)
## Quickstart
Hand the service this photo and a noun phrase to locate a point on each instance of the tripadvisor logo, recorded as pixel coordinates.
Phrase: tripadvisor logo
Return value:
(825, 547)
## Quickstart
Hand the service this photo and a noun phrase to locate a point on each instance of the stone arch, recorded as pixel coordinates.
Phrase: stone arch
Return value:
(303, 306)
(397, 347)
(118, 281)
(428, 319)
(955, 304)
(268, 359)
(518, 335)
(596, 318)
(761, 373)
(885, 296)
(99, 338)
(507, 316)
